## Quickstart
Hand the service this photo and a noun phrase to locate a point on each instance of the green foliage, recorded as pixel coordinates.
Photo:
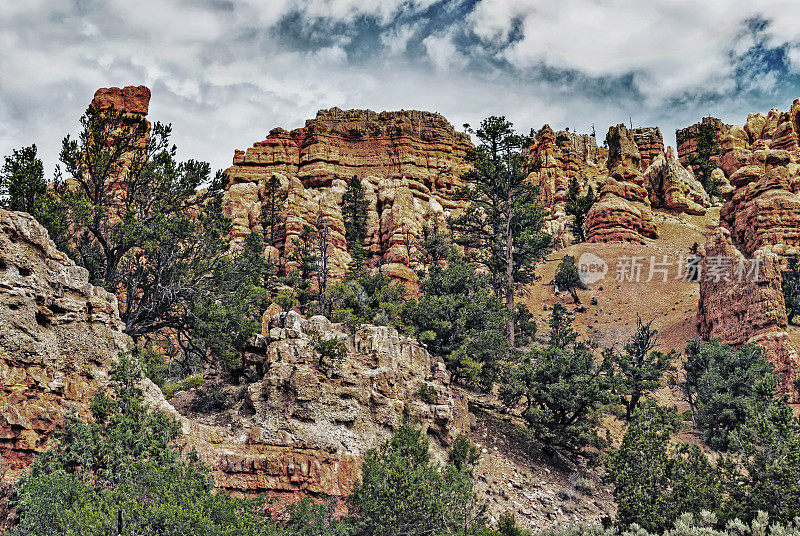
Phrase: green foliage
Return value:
(331, 350)
(153, 364)
(639, 369)
(192, 382)
(653, 483)
(273, 209)
(354, 213)
(227, 313)
(124, 461)
(724, 388)
(427, 394)
(210, 398)
(769, 477)
(791, 287)
(465, 318)
(562, 388)
(502, 226)
(367, 298)
(702, 524)
(567, 278)
(707, 146)
(22, 184)
(152, 230)
(309, 518)
(578, 206)
(303, 257)
(23, 188)
(403, 492)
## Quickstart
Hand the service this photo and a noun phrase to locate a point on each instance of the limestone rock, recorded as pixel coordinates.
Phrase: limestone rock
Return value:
(622, 212)
(673, 187)
(58, 337)
(306, 419)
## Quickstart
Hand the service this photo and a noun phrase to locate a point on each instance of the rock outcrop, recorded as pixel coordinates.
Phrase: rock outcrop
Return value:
(673, 187)
(130, 99)
(622, 212)
(650, 143)
(58, 338)
(686, 138)
(306, 419)
(741, 301)
(409, 163)
(762, 163)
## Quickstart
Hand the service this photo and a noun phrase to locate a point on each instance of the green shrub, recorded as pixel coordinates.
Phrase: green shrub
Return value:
(210, 398)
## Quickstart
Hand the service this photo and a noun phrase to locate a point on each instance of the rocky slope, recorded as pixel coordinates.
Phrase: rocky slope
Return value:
(409, 163)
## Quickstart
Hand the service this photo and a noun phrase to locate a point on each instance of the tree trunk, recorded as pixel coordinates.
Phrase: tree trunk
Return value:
(510, 277)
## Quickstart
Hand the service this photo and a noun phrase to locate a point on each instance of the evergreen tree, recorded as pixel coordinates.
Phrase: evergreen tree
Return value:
(23, 188)
(123, 465)
(578, 206)
(562, 388)
(503, 223)
(354, 212)
(403, 492)
(702, 162)
(304, 260)
(724, 388)
(461, 320)
(273, 210)
(567, 278)
(639, 369)
(653, 483)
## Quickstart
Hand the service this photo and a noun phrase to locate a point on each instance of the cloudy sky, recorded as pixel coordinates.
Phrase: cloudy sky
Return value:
(224, 72)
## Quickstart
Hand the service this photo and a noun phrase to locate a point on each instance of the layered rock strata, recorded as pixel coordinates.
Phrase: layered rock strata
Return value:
(686, 138)
(762, 163)
(650, 143)
(622, 212)
(409, 162)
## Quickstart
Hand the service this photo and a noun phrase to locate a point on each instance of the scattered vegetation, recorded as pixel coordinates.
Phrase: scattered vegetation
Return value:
(791, 287)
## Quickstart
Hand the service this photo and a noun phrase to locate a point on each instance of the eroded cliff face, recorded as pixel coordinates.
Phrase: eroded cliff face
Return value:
(409, 163)
(673, 187)
(741, 301)
(762, 162)
(58, 337)
(304, 420)
(622, 212)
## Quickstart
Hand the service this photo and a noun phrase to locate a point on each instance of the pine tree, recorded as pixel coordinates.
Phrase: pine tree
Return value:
(503, 223)
(354, 212)
(578, 206)
(273, 211)
(702, 162)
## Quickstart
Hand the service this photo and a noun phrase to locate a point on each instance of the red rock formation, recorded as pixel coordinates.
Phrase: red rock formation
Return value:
(650, 144)
(622, 212)
(741, 302)
(409, 162)
(673, 187)
(686, 138)
(131, 99)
